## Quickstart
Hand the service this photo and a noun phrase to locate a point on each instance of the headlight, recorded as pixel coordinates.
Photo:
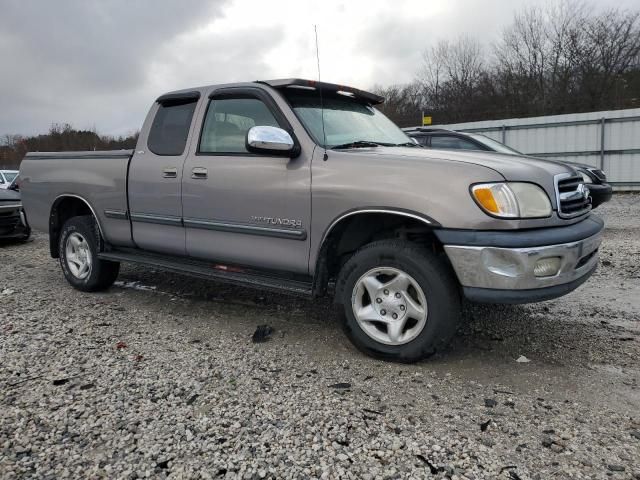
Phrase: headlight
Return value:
(512, 199)
(585, 178)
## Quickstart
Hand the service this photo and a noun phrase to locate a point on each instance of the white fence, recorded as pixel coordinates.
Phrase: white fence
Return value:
(608, 140)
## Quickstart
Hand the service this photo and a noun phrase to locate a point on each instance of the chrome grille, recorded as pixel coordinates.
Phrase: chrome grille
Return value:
(572, 195)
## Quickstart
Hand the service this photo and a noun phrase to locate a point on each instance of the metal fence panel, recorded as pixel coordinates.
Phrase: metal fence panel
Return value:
(609, 140)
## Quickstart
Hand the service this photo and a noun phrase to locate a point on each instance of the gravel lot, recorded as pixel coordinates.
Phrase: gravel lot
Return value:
(158, 377)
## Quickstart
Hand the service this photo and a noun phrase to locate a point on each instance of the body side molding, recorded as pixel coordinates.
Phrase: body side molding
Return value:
(246, 228)
(152, 218)
(116, 214)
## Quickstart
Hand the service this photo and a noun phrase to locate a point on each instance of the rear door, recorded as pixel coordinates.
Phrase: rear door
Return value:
(155, 174)
(245, 208)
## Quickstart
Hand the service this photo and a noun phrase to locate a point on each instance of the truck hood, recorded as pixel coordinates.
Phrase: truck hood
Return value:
(9, 196)
(510, 167)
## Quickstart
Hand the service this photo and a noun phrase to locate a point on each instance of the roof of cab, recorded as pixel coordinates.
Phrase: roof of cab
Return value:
(323, 86)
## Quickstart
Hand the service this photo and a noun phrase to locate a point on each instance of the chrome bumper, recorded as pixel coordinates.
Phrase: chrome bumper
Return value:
(513, 268)
(23, 219)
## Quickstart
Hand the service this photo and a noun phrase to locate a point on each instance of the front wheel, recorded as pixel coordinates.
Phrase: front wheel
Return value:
(401, 302)
(78, 248)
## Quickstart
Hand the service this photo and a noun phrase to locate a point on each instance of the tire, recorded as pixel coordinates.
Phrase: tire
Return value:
(79, 240)
(420, 331)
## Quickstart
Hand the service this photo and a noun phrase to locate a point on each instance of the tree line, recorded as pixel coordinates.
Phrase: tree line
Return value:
(564, 58)
(61, 137)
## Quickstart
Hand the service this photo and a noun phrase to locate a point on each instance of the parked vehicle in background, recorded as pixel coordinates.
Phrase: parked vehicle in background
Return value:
(15, 183)
(219, 186)
(439, 138)
(6, 177)
(13, 223)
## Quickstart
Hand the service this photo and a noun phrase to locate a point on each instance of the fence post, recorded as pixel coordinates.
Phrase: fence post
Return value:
(602, 120)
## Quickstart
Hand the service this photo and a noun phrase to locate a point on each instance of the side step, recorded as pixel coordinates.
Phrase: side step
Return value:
(212, 271)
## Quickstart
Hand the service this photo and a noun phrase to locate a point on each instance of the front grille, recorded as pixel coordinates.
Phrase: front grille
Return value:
(572, 195)
(8, 224)
(9, 220)
(599, 174)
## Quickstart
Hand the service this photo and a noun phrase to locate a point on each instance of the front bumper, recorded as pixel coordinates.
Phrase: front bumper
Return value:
(502, 269)
(13, 222)
(600, 193)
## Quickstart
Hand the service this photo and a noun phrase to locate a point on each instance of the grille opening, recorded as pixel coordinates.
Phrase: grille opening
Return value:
(582, 262)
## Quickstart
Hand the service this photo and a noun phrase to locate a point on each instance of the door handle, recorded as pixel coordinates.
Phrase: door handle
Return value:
(199, 173)
(170, 172)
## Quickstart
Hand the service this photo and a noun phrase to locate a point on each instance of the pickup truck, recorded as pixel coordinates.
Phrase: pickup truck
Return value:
(305, 187)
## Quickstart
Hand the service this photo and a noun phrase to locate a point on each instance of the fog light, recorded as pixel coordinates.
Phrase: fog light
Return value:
(546, 267)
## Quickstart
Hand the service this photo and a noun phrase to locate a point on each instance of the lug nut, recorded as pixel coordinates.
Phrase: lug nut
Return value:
(395, 315)
(386, 292)
(383, 312)
(378, 300)
(398, 295)
(402, 307)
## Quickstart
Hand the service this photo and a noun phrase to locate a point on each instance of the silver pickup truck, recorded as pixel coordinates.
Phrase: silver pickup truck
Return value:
(304, 187)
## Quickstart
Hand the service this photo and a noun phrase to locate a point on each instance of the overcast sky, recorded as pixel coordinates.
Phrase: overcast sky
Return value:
(100, 64)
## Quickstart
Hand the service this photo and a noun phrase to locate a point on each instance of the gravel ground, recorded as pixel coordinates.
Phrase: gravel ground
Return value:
(158, 377)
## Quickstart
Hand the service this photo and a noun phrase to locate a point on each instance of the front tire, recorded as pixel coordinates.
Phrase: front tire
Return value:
(78, 247)
(400, 301)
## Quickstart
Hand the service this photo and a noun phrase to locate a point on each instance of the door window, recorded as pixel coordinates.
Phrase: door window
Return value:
(452, 143)
(227, 122)
(170, 128)
(422, 140)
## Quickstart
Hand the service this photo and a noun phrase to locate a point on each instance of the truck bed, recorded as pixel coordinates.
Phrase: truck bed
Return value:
(98, 178)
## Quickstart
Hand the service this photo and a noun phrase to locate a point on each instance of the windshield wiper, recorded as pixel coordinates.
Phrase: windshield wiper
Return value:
(358, 144)
(407, 144)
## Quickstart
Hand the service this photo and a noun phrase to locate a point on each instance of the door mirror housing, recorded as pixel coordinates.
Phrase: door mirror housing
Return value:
(271, 140)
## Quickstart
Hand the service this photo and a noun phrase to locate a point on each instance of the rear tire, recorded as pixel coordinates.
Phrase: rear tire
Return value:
(400, 301)
(78, 247)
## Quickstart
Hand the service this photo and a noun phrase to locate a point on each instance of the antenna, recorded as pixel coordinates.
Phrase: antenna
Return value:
(324, 133)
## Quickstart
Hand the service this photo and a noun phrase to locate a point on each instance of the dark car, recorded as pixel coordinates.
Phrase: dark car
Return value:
(13, 223)
(595, 178)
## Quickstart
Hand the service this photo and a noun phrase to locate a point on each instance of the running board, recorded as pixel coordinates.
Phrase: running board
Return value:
(212, 271)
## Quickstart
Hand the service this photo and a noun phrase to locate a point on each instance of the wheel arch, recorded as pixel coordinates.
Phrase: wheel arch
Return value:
(357, 227)
(64, 207)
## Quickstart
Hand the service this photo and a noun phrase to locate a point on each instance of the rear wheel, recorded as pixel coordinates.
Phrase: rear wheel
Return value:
(400, 301)
(78, 247)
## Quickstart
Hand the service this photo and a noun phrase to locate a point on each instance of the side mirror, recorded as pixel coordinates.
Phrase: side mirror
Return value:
(273, 140)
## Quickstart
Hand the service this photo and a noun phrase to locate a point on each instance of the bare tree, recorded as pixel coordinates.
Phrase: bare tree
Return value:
(451, 76)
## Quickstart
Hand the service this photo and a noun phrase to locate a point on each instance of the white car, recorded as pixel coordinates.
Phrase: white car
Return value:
(6, 177)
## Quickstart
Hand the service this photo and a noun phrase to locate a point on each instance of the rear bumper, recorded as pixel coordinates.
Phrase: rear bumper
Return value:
(503, 269)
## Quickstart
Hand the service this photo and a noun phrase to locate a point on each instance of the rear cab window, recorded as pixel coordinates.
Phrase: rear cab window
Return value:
(170, 128)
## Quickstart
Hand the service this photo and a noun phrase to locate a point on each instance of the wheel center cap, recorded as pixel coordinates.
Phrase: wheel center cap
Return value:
(391, 305)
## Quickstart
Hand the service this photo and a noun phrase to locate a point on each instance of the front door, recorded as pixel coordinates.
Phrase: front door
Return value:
(244, 208)
(155, 175)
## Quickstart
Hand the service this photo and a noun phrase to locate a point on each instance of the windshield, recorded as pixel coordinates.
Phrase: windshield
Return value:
(494, 144)
(346, 121)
